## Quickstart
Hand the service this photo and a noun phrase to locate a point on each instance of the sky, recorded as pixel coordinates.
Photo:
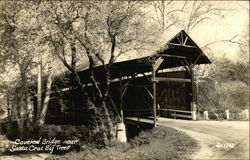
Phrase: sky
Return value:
(235, 22)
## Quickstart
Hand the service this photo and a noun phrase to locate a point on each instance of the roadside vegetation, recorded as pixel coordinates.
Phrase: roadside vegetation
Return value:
(161, 143)
(226, 87)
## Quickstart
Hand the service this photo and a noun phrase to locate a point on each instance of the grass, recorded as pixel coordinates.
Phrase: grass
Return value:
(160, 143)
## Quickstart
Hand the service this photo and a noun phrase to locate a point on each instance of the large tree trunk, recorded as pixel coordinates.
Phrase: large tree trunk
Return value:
(17, 109)
(109, 124)
(39, 90)
(44, 108)
(22, 110)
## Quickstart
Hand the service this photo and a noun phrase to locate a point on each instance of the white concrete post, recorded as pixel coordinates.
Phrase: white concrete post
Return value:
(205, 115)
(121, 133)
(245, 114)
(227, 114)
(193, 112)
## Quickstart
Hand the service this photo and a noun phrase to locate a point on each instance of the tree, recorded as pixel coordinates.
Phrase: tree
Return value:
(225, 87)
(98, 33)
(167, 13)
(184, 14)
(21, 37)
(16, 51)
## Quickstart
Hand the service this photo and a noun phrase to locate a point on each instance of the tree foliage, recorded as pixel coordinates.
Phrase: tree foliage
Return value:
(226, 86)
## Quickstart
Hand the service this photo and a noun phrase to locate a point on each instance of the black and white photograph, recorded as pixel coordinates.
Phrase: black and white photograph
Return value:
(124, 80)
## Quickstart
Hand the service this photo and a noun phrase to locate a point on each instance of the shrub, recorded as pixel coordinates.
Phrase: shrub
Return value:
(117, 144)
(142, 139)
(12, 130)
(49, 131)
(4, 145)
(64, 132)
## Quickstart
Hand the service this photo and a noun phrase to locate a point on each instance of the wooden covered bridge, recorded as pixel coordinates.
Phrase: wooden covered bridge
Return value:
(146, 87)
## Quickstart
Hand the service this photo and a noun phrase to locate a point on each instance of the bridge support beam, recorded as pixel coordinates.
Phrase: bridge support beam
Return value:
(154, 97)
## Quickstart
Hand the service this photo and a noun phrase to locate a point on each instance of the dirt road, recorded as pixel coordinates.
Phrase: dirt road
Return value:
(217, 139)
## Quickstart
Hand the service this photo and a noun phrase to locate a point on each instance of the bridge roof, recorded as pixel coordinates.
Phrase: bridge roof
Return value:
(181, 46)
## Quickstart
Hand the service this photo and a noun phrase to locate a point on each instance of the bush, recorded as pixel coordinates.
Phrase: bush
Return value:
(12, 130)
(236, 116)
(4, 145)
(142, 139)
(117, 144)
(221, 115)
(222, 95)
(64, 132)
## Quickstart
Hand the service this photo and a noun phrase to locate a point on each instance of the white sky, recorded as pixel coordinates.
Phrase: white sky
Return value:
(235, 22)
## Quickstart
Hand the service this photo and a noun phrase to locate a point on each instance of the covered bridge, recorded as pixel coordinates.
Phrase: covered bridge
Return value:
(144, 87)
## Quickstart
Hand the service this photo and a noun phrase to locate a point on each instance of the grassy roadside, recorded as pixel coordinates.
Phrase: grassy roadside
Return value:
(162, 143)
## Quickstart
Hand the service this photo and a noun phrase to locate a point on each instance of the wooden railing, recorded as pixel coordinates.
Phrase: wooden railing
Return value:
(174, 112)
(140, 113)
(177, 113)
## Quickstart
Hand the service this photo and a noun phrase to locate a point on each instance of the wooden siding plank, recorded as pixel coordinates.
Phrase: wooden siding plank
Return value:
(182, 116)
(174, 110)
(172, 79)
